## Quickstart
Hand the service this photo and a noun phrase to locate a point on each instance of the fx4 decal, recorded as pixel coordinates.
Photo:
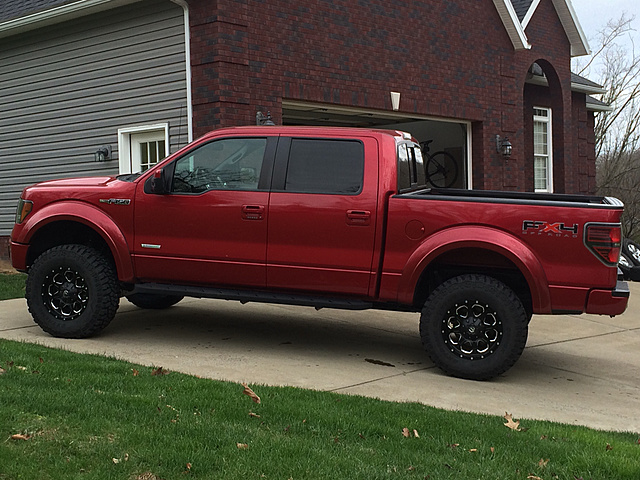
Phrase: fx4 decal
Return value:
(558, 229)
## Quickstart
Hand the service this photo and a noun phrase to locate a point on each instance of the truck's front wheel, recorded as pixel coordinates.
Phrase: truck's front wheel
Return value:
(473, 326)
(72, 291)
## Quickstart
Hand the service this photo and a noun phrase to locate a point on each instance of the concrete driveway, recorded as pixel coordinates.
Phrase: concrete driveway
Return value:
(579, 369)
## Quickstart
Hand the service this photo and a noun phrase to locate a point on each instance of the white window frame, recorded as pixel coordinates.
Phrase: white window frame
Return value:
(545, 120)
(124, 142)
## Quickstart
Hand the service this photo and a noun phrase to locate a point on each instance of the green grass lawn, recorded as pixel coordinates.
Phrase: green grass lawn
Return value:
(12, 285)
(89, 417)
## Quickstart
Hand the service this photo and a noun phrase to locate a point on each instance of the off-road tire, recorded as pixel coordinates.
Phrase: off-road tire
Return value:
(474, 327)
(153, 301)
(72, 291)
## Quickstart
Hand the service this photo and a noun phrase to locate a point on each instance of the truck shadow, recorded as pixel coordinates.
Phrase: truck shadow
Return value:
(386, 340)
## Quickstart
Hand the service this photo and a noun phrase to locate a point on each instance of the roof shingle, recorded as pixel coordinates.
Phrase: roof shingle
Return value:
(12, 9)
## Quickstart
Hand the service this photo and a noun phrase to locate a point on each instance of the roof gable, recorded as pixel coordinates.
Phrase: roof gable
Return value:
(521, 7)
(516, 14)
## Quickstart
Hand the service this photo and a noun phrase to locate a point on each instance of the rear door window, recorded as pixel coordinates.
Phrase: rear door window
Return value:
(331, 166)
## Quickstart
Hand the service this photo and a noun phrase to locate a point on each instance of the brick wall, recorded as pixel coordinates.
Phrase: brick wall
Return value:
(448, 59)
(4, 247)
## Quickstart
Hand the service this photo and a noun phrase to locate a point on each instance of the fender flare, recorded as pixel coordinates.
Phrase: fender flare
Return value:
(90, 216)
(481, 237)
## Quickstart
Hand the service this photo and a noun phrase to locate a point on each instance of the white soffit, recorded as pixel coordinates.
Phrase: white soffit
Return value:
(569, 19)
(512, 24)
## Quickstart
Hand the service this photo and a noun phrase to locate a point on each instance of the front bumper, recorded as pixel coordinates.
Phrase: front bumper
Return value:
(609, 302)
(19, 256)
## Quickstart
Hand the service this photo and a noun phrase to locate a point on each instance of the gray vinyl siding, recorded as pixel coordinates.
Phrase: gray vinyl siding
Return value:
(66, 89)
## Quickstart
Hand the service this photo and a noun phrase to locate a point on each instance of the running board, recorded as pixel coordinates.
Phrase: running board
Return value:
(245, 296)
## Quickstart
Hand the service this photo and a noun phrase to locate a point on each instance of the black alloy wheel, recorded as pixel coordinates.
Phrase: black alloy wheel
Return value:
(72, 291)
(474, 326)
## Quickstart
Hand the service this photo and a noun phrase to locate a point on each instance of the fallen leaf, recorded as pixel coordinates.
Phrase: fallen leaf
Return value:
(608, 448)
(126, 457)
(415, 433)
(493, 450)
(115, 460)
(543, 463)
(453, 445)
(254, 415)
(242, 446)
(159, 371)
(20, 436)
(188, 467)
(533, 477)
(147, 476)
(405, 432)
(250, 393)
(513, 425)
(472, 450)
(2, 370)
(135, 372)
(41, 360)
(24, 369)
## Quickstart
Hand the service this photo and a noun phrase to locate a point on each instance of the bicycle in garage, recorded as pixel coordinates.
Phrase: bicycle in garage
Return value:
(441, 168)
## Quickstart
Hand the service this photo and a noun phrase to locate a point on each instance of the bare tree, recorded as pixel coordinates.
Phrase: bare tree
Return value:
(616, 66)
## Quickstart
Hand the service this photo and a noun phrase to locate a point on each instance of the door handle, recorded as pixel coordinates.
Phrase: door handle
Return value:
(358, 217)
(252, 212)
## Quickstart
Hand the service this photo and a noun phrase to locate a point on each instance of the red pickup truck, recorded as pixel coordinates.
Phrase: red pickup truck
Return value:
(324, 217)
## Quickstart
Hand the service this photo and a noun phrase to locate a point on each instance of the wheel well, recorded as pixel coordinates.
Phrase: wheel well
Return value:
(63, 233)
(472, 260)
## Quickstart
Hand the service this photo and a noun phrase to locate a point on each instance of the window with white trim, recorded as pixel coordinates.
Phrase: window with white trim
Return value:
(542, 150)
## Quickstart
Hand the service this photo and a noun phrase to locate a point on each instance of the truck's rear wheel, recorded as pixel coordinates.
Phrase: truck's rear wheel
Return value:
(72, 291)
(473, 326)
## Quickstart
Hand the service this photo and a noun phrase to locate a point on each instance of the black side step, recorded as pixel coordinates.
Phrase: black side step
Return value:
(244, 296)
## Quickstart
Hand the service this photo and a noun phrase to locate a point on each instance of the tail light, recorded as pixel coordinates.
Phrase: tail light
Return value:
(604, 240)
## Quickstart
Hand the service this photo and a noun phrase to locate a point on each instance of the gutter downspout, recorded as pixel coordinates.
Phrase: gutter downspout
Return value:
(187, 53)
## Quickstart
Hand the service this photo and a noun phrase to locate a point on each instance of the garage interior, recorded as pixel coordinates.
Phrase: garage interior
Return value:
(446, 136)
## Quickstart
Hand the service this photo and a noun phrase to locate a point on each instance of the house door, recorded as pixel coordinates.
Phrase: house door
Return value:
(141, 147)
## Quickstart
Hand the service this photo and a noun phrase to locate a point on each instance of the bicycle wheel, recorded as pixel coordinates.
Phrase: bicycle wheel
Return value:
(441, 170)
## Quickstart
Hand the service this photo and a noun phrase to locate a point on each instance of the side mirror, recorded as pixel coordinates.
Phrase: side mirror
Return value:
(158, 184)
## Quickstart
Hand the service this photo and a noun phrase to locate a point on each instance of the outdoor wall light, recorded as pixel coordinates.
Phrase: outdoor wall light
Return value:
(503, 146)
(262, 119)
(103, 154)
